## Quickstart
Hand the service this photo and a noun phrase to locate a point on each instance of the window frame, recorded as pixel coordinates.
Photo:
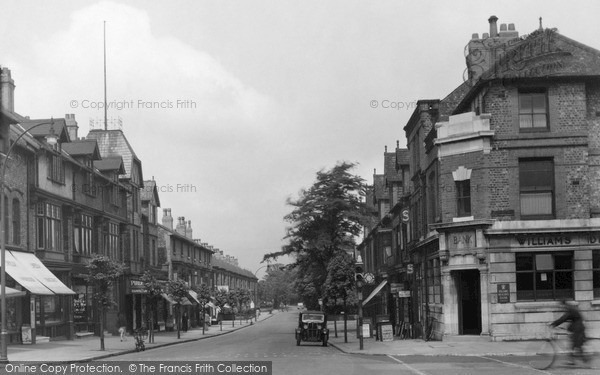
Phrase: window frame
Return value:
(531, 111)
(56, 167)
(525, 190)
(596, 273)
(462, 199)
(49, 226)
(534, 271)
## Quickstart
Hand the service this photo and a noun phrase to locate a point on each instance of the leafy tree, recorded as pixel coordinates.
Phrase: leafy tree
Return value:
(178, 291)
(244, 297)
(222, 298)
(278, 285)
(102, 272)
(204, 295)
(325, 221)
(154, 292)
(339, 285)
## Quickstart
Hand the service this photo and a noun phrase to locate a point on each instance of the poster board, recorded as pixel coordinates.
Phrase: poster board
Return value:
(366, 330)
(386, 332)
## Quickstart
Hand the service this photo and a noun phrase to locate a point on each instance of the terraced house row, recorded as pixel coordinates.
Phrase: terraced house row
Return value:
(491, 215)
(67, 198)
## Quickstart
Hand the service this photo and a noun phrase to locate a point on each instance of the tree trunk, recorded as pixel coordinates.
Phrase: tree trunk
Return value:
(151, 329)
(102, 328)
(178, 317)
(151, 320)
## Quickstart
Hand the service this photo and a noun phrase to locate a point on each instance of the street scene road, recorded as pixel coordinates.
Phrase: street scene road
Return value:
(273, 340)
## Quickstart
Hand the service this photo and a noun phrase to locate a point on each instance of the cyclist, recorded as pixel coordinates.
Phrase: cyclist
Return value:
(577, 329)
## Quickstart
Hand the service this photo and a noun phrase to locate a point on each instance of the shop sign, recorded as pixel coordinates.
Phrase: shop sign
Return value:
(410, 269)
(396, 287)
(405, 215)
(137, 287)
(503, 293)
(461, 240)
(404, 294)
(544, 240)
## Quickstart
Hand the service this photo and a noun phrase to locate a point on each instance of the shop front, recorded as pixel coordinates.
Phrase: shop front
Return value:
(45, 311)
(535, 266)
(505, 279)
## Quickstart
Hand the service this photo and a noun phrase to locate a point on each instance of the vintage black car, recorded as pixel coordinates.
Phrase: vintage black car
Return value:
(312, 327)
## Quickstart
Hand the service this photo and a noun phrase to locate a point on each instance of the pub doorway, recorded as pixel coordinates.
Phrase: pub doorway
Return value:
(469, 302)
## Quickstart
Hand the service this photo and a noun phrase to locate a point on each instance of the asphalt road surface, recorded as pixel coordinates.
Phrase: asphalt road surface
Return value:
(273, 340)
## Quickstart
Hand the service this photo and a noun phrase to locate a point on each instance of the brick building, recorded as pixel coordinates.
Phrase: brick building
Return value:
(503, 204)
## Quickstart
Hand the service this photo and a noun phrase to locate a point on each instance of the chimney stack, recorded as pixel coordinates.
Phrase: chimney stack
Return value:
(167, 219)
(71, 126)
(7, 90)
(493, 26)
(181, 225)
(188, 229)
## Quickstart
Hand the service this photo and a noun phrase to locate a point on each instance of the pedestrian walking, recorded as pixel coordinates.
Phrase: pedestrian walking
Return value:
(184, 322)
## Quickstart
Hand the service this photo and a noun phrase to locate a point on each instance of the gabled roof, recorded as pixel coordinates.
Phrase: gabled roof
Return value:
(112, 143)
(114, 163)
(82, 148)
(379, 186)
(389, 167)
(150, 191)
(543, 54)
(57, 124)
(402, 157)
(223, 264)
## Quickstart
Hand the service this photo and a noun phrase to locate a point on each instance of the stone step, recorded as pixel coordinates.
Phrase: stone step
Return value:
(83, 334)
(41, 339)
(466, 338)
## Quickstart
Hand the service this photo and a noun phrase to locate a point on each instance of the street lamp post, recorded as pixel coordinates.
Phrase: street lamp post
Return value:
(52, 139)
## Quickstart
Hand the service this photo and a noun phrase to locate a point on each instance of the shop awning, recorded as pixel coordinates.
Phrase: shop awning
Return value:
(36, 268)
(184, 302)
(11, 292)
(194, 295)
(22, 275)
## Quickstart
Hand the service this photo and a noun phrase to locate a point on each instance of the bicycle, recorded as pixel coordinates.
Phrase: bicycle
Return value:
(429, 332)
(547, 351)
(139, 336)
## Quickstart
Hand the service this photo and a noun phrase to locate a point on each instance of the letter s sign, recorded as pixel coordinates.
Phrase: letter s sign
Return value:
(405, 216)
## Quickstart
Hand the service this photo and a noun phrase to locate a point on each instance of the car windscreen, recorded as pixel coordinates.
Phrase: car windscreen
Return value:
(313, 318)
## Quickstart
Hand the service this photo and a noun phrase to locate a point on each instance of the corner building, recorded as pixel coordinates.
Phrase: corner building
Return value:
(505, 198)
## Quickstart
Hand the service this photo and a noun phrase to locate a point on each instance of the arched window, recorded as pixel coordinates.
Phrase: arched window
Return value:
(16, 221)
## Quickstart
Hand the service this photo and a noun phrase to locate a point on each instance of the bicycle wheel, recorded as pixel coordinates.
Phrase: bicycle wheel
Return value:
(543, 354)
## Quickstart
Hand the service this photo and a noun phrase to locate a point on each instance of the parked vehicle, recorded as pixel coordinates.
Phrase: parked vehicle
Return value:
(312, 327)
(300, 305)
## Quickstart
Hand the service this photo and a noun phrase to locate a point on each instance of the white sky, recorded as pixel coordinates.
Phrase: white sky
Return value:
(282, 89)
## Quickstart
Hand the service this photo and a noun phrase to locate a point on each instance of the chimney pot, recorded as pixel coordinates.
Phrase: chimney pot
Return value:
(485, 36)
(493, 26)
(511, 27)
(503, 27)
(475, 36)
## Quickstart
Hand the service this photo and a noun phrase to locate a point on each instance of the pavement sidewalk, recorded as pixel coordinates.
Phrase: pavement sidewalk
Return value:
(463, 346)
(88, 348)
